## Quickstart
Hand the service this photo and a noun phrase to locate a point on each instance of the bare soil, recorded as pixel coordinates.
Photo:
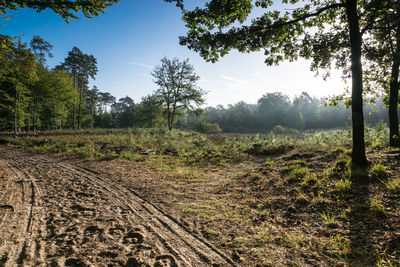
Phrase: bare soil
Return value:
(55, 213)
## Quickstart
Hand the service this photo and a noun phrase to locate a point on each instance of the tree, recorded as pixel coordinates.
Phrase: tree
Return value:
(81, 67)
(382, 50)
(105, 100)
(124, 112)
(284, 37)
(72, 64)
(57, 95)
(65, 8)
(40, 49)
(20, 71)
(271, 109)
(92, 97)
(178, 88)
(150, 111)
(88, 67)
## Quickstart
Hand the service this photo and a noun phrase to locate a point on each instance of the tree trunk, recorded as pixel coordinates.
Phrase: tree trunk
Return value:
(15, 112)
(74, 114)
(92, 112)
(34, 115)
(29, 116)
(169, 116)
(80, 109)
(173, 115)
(359, 160)
(394, 96)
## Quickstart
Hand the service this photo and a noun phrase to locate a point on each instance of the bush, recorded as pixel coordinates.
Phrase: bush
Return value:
(206, 127)
(279, 129)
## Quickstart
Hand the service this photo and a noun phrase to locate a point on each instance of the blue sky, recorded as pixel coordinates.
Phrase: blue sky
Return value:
(131, 38)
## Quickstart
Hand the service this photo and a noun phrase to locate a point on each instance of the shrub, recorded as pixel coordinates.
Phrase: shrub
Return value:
(378, 171)
(206, 127)
(279, 129)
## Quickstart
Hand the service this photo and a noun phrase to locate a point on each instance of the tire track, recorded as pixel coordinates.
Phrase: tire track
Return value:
(76, 217)
(17, 225)
(164, 227)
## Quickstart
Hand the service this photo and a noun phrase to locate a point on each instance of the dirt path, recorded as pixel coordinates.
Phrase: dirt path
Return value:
(55, 214)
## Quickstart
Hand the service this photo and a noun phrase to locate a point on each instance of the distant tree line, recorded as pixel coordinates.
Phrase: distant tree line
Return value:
(275, 109)
(34, 96)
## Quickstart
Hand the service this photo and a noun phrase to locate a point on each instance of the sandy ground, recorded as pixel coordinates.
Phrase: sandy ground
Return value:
(53, 213)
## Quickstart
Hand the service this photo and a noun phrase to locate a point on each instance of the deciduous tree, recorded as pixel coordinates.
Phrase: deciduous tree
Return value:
(178, 90)
(67, 9)
(213, 32)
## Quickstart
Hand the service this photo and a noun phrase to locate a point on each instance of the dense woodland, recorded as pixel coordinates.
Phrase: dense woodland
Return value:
(36, 97)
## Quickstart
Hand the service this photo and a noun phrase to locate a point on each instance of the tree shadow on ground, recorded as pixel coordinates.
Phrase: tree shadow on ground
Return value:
(362, 252)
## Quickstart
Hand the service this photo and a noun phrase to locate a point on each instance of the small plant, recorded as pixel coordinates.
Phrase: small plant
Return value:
(309, 180)
(377, 208)
(342, 184)
(340, 243)
(343, 214)
(297, 240)
(125, 155)
(298, 173)
(383, 260)
(379, 171)
(328, 218)
(393, 185)
(269, 161)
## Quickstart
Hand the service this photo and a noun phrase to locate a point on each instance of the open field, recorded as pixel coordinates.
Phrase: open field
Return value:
(253, 200)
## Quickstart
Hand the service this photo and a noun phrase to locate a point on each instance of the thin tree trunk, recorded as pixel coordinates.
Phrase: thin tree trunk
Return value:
(80, 108)
(29, 116)
(15, 112)
(74, 114)
(34, 115)
(169, 116)
(359, 160)
(394, 96)
(92, 112)
(173, 114)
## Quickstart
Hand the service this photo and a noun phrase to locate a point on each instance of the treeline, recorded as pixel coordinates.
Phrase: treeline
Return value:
(272, 109)
(275, 109)
(34, 96)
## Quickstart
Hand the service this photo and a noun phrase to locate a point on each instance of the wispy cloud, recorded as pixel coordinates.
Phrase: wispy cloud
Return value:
(235, 80)
(142, 65)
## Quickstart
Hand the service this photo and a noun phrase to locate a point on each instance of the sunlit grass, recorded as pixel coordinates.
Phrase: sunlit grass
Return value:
(191, 147)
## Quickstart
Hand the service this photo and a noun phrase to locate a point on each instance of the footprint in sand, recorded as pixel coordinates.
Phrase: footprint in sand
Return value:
(7, 207)
(165, 260)
(133, 237)
(116, 233)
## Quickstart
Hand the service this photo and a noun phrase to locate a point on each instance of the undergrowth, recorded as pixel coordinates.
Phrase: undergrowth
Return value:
(190, 148)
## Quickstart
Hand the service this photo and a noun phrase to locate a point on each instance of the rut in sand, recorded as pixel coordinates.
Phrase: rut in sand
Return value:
(56, 214)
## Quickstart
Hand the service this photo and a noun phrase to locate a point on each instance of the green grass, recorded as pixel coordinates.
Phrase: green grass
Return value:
(188, 147)
(377, 207)
(378, 171)
(393, 185)
(328, 217)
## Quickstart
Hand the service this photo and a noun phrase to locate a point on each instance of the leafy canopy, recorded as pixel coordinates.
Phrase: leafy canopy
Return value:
(67, 9)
